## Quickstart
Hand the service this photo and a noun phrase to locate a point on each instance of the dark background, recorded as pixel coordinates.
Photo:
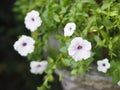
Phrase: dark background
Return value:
(14, 69)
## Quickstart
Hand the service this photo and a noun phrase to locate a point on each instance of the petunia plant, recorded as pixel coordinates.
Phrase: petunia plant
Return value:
(70, 34)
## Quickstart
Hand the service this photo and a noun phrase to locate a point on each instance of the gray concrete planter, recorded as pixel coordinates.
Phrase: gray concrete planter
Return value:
(91, 81)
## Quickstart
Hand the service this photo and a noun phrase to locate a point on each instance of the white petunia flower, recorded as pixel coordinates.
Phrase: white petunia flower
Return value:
(38, 67)
(103, 65)
(118, 83)
(24, 45)
(79, 49)
(32, 20)
(69, 29)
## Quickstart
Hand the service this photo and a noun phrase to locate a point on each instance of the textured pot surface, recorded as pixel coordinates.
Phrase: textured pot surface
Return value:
(91, 81)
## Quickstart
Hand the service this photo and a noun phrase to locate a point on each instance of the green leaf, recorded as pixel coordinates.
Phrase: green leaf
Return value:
(108, 24)
(87, 1)
(74, 72)
(56, 18)
(68, 62)
(63, 49)
(88, 61)
(43, 87)
(74, 64)
(113, 13)
(97, 39)
(105, 5)
(63, 10)
(81, 71)
(116, 76)
(60, 77)
(50, 77)
(50, 60)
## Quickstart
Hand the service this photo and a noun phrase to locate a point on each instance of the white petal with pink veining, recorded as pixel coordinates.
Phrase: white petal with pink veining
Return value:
(79, 49)
(25, 45)
(38, 67)
(32, 20)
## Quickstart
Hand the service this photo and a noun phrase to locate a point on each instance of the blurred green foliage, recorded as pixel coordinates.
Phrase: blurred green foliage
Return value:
(14, 74)
(14, 69)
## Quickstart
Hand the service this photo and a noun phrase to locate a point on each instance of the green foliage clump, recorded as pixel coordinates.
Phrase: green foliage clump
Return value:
(97, 21)
(116, 48)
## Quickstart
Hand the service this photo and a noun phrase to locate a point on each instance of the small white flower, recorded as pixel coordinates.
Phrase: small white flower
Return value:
(103, 65)
(38, 67)
(69, 29)
(118, 83)
(24, 45)
(32, 20)
(79, 49)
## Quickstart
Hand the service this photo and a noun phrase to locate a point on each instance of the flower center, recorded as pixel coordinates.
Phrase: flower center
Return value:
(104, 64)
(33, 19)
(39, 65)
(24, 44)
(70, 28)
(79, 47)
